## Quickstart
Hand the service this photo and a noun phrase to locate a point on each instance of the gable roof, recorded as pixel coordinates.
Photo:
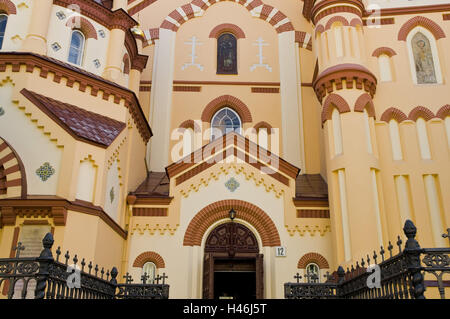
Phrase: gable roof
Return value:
(82, 125)
(232, 144)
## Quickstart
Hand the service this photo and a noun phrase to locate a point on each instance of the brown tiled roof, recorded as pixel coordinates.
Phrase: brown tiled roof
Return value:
(155, 185)
(311, 186)
(81, 124)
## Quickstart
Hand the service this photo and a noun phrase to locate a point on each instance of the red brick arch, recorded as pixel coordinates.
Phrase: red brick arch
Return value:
(395, 114)
(84, 26)
(244, 211)
(384, 50)
(428, 24)
(420, 111)
(356, 22)
(149, 256)
(190, 124)
(365, 102)
(313, 258)
(230, 101)
(319, 29)
(266, 11)
(443, 112)
(7, 7)
(227, 27)
(336, 19)
(334, 100)
(11, 164)
(263, 124)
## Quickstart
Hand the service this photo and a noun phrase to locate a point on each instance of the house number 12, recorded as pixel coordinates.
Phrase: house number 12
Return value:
(280, 251)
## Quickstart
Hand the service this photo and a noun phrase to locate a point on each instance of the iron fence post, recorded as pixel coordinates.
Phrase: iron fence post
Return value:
(412, 253)
(113, 281)
(341, 279)
(44, 259)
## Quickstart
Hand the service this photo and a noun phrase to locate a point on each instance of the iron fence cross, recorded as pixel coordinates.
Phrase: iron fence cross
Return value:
(18, 249)
(128, 278)
(311, 277)
(298, 277)
(447, 235)
(164, 277)
(144, 278)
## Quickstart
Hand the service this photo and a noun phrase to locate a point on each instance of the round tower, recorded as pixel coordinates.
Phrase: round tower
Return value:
(345, 88)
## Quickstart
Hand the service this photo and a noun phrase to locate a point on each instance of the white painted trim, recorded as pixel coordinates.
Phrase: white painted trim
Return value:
(344, 215)
(396, 144)
(434, 207)
(422, 137)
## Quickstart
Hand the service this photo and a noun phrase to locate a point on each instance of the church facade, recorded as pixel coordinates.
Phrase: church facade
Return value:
(227, 144)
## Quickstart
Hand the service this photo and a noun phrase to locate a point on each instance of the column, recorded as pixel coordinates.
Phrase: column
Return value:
(291, 107)
(113, 68)
(36, 39)
(161, 101)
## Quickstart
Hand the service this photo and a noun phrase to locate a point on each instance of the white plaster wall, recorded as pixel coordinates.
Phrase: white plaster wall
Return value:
(33, 147)
(112, 181)
(17, 27)
(86, 181)
(93, 49)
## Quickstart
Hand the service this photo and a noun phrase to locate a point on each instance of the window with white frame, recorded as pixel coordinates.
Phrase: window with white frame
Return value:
(424, 58)
(312, 273)
(76, 49)
(149, 269)
(384, 63)
(225, 121)
(3, 22)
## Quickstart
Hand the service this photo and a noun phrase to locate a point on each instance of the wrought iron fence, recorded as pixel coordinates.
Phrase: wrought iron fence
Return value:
(401, 275)
(46, 278)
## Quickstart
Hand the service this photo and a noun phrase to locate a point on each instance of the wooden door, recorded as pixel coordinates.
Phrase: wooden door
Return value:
(260, 276)
(208, 276)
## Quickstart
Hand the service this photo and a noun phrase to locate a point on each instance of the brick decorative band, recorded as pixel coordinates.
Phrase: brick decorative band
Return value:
(313, 258)
(345, 6)
(258, 9)
(230, 101)
(149, 256)
(227, 27)
(382, 21)
(365, 102)
(384, 50)
(313, 213)
(8, 7)
(13, 171)
(393, 114)
(432, 26)
(187, 88)
(190, 124)
(150, 212)
(420, 111)
(354, 75)
(334, 101)
(245, 211)
(83, 25)
(443, 112)
(265, 90)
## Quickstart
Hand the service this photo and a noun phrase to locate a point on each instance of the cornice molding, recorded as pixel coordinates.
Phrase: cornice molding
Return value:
(53, 207)
(118, 19)
(355, 76)
(73, 74)
(325, 8)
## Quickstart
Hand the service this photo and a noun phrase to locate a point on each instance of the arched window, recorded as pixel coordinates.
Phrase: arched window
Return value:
(149, 269)
(188, 141)
(76, 47)
(337, 132)
(395, 140)
(224, 121)
(384, 63)
(227, 54)
(312, 273)
(3, 22)
(424, 57)
(422, 137)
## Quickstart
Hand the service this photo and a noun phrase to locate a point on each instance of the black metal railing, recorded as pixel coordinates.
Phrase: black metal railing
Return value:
(401, 276)
(46, 278)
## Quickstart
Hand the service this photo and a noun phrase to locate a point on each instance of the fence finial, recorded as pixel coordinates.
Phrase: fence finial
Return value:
(114, 274)
(412, 252)
(45, 259)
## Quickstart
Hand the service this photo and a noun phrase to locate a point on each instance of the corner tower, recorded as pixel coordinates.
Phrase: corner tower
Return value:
(345, 87)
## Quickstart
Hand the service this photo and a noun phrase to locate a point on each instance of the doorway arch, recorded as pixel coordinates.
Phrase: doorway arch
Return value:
(232, 267)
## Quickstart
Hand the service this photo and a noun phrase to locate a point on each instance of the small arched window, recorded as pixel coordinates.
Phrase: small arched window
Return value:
(3, 22)
(149, 269)
(424, 57)
(312, 273)
(225, 121)
(227, 54)
(76, 47)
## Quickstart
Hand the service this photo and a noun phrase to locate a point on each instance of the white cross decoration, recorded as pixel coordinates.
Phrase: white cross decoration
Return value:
(261, 44)
(194, 43)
